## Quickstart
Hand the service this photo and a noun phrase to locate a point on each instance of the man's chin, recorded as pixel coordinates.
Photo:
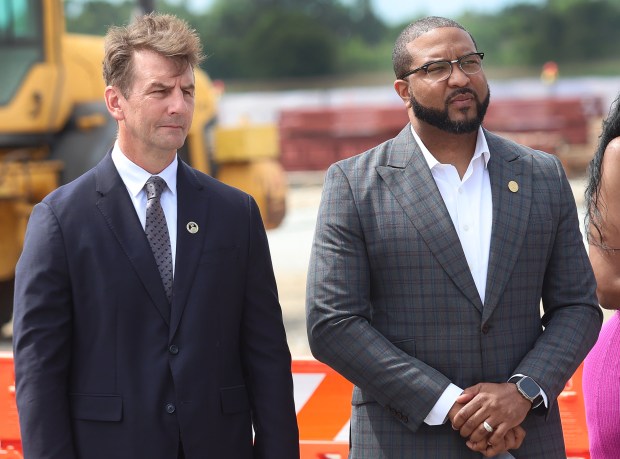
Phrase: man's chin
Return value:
(172, 142)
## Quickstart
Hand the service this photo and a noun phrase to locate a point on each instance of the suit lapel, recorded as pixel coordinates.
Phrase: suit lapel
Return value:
(510, 215)
(192, 208)
(410, 181)
(120, 215)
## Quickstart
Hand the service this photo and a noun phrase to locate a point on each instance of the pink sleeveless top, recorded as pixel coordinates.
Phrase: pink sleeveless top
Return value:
(601, 391)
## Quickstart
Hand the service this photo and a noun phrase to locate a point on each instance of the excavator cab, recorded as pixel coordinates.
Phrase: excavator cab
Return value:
(21, 43)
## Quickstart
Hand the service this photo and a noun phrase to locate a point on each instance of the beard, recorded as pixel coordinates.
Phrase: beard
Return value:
(441, 118)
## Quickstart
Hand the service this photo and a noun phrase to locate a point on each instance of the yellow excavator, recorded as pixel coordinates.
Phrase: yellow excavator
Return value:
(54, 126)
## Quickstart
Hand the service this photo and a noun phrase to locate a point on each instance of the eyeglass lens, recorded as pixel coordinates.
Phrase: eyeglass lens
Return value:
(442, 70)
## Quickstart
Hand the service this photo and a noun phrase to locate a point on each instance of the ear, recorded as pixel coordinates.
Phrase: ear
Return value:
(402, 89)
(113, 99)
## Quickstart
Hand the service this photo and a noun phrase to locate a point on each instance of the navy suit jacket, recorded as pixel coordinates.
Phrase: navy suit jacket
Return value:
(103, 370)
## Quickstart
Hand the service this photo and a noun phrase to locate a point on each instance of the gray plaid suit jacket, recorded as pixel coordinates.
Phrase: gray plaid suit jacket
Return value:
(392, 306)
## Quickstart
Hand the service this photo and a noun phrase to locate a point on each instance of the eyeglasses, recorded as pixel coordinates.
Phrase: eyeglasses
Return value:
(441, 70)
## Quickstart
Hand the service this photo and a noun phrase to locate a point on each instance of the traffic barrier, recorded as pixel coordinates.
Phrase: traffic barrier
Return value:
(323, 407)
(573, 415)
(10, 443)
(329, 406)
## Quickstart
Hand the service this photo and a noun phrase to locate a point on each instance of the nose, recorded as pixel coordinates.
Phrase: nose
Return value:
(177, 104)
(457, 76)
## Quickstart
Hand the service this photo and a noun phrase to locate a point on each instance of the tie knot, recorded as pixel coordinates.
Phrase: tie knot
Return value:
(154, 187)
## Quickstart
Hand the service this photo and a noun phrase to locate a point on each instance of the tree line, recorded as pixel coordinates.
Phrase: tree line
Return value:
(273, 39)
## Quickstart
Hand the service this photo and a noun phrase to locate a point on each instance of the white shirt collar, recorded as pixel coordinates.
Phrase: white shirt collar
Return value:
(135, 177)
(482, 149)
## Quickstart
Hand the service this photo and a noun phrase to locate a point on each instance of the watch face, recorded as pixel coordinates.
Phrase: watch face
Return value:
(529, 387)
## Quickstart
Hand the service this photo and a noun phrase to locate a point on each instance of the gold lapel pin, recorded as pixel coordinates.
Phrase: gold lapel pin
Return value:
(513, 186)
(192, 227)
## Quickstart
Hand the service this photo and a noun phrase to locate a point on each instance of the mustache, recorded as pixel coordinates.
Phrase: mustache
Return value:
(461, 91)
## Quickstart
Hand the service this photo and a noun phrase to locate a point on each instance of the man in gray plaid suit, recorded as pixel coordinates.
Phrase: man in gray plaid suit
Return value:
(432, 254)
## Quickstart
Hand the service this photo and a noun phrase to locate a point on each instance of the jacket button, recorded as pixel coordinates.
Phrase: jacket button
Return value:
(485, 329)
(170, 408)
(173, 349)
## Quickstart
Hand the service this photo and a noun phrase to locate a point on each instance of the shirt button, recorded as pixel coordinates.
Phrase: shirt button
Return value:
(170, 408)
(173, 349)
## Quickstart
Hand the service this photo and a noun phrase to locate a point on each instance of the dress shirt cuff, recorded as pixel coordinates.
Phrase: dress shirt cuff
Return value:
(439, 413)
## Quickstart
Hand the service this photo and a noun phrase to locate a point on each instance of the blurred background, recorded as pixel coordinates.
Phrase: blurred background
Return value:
(270, 43)
(306, 83)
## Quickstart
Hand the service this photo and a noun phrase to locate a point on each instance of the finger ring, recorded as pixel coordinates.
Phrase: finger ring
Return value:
(487, 427)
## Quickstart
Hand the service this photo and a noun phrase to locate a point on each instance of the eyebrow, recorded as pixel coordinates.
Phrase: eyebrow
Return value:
(160, 85)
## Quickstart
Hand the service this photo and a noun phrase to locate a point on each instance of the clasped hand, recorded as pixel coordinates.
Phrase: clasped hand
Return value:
(501, 406)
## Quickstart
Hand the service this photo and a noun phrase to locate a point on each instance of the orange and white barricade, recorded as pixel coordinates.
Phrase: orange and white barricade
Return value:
(10, 439)
(322, 400)
(323, 406)
(573, 415)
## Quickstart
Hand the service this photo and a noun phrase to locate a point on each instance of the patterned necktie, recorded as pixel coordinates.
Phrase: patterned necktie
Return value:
(157, 231)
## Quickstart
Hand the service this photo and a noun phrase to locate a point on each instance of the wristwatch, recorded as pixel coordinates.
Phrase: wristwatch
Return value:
(529, 389)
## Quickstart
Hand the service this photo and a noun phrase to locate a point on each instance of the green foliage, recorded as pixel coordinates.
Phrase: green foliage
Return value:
(96, 16)
(286, 43)
(357, 56)
(566, 31)
(264, 39)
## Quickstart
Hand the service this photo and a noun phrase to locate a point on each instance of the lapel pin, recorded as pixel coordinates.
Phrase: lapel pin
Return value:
(192, 227)
(513, 186)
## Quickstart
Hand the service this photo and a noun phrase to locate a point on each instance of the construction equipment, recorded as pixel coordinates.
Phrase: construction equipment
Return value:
(54, 126)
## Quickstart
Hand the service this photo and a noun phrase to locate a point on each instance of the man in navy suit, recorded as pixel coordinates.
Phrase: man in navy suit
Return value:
(108, 364)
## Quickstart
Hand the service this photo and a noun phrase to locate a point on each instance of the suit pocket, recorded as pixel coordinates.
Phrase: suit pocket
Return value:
(96, 407)
(361, 398)
(234, 399)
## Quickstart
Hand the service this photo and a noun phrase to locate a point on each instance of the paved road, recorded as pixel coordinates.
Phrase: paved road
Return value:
(290, 251)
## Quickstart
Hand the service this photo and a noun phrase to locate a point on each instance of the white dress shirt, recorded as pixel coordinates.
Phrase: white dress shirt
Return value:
(134, 178)
(469, 203)
(470, 206)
